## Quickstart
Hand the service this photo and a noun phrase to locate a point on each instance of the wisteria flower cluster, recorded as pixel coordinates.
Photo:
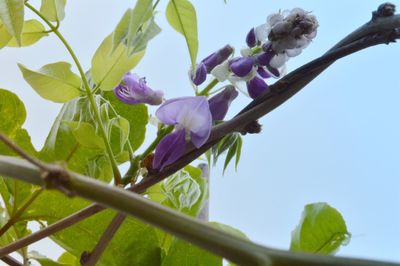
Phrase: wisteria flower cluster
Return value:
(270, 45)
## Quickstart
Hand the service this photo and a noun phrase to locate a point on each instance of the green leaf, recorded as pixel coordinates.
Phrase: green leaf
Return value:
(121, 31)
(55, 82)
(136, 115)
(5, 37)
(12, 112)
(53, 10)
(322, 229)
(135, 243)
(85, 135)
(149, 30)
(12, 15)
(33, 31)
(140, 14)
(108, 68)
(183, 253)
(181, 15)
(239, 144)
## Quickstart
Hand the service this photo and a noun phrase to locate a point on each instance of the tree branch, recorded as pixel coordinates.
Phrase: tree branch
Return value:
(11, 261)
(235, 249)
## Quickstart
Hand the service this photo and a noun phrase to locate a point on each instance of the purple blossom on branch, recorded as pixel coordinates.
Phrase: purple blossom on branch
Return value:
(219, 104)
(134, 90)
(192, 119)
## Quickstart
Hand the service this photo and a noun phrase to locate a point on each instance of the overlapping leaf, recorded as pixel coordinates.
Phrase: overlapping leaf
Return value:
(32, 32)
(55, 82)
(12, 15)
(181, 15)
(53, 10)
(322, 229)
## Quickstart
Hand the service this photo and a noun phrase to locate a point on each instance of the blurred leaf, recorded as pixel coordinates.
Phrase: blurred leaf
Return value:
(62, 145)
(121, 30)
(33, 31)
(85, 135)
(108, 68)
(12, 112)
(239, 144)
(135, 243)
(5, 37)
(149, 30)
(12, 15)
(55, 82)
(183, 253)
(53, 10)
(137, 116)
(322, 229)
(142, 12)
(181, 15)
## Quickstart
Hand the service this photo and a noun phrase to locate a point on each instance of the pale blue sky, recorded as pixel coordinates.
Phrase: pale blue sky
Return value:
(336, 141)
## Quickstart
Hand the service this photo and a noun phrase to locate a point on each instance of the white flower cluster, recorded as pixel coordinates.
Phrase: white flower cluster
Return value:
(287, 33)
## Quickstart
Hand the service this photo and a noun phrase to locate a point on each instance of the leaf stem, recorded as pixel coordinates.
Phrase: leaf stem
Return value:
(20, 211)
(207, 89)
(116, 172)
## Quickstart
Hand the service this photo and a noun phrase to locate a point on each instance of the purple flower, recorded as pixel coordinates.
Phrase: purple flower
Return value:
(200, 75)
(256, 86)
(219, 104)
(241, 66)
(134, 90)
(251, 38)
(217, 58)
(192, 119)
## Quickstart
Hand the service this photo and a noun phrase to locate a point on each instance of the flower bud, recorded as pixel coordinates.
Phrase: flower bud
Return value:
(217, 57)
(256, 86)
(200, 75)
(219, 104)
(241, 66)
(251, 39)
(134, 90)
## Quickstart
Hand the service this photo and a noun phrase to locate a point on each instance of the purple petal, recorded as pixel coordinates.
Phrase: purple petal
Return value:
(241, 66)
(170, 149)
(251, 39)
(190, 113)
(256, 86)
(219, 104)
(263, 73)
(201, 74)
(134, 90)
(217, 58)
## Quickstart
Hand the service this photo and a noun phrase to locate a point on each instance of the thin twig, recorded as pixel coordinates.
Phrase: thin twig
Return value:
(105, 239)
(11, 261)
(22, 153)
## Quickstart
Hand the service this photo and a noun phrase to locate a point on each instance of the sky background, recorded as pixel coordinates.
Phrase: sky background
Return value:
(336, 141)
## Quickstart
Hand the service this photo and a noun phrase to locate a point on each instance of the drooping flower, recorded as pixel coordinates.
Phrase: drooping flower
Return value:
(134, 90)
(192, 119)
(209, 63)
(201, 74)
(219, 104)
(256, 86)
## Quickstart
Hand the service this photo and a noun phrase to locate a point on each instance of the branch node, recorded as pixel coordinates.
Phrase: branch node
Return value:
(252, 128)
(56, 177)
(384, 10)
(85, 256)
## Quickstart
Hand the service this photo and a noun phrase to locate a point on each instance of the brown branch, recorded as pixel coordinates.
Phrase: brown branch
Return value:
(11, 261)
(90, 259)
(375, 32)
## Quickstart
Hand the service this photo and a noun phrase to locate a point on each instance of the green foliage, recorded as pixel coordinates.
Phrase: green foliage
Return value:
(135, 243)
(55, 82)
(53, 10)
(109, 67)
(322, 229)
(5, 37)
(185, 254)
(32, 32)
(85, 135)
(12, 15)
(181, 15)
(231, 143)
(137, 116)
